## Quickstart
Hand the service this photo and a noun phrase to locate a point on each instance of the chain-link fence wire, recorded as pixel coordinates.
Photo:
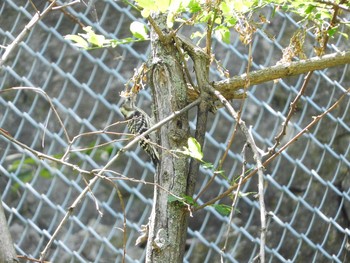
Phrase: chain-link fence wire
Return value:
(307, 186)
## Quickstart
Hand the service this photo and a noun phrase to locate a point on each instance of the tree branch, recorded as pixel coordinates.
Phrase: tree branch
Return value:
(104, 169)
(315, 120)
(35, 19)
(260, 168)
(229, 87)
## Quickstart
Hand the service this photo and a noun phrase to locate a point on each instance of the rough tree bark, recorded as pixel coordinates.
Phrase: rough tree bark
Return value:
(168, 221)
(7, 250)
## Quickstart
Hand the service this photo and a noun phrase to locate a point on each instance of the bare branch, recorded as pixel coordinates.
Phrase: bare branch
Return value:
(235, 199)
(293, 105)
(315, 120)
(40, 91)
(35, 19)
(229, 87)
(104, 169)
(260, 167)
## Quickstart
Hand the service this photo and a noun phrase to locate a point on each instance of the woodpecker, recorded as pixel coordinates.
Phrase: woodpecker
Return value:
(138, 123)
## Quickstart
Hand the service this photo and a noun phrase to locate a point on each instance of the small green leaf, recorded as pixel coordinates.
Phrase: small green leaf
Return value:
(224, 210)
(195, 148)
(146, 4)
(223, 34)
(331, 32)
(172, 199)
(163, 5)
(194, 6)
(231, 21)
(189, 199)
(208, 165)
(226, 9)
(184, 200)
(78, 41)
(139, 30)
(97, 40)
(309, 9)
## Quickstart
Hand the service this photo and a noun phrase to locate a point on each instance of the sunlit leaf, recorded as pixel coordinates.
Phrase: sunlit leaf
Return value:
(163, 5)
(139, 30)
(194, 148)
(194, 6)
(77, 41)
(223, 34)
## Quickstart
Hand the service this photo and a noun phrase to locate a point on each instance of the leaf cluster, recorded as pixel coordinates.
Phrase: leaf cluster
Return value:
(221, 18)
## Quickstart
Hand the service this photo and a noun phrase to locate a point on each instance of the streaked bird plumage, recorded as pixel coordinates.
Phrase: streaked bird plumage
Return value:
(138, 123)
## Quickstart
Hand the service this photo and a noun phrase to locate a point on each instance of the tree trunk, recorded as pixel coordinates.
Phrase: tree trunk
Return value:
(169, 220)
(7, 250)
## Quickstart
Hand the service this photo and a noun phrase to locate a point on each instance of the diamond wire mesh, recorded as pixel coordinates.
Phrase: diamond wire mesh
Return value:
(307, 187)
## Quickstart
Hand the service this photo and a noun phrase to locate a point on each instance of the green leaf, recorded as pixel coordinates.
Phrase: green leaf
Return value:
(331, 32)
(222, 33)
(96, 40)
(139, 30)
(184, 200)
(163, 5)
(146, 4)
(309, 9)
(172, 199)
(194, 6)
(195, 148)
(189, 199)
(224, 210)
(44, 173)
(78, 41)
(225, 9)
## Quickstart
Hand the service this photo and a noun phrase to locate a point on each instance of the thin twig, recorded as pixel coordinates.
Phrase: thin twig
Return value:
(260, 167)
(40, 91)
(156, 28)
(257, 159)
(210, 27)
(63, 9)
(183, 64)
(104, 169)
(294, 103)
(69, 148)
(235, 199)
(340, 6)
(120, 196)
(35, 19)
(291, 111)
(82, 171)
(250, 60)
(271, 158)
(58, 7)
(32, 259)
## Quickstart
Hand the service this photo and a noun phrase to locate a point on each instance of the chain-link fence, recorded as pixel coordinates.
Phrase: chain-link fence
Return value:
(307, 187)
